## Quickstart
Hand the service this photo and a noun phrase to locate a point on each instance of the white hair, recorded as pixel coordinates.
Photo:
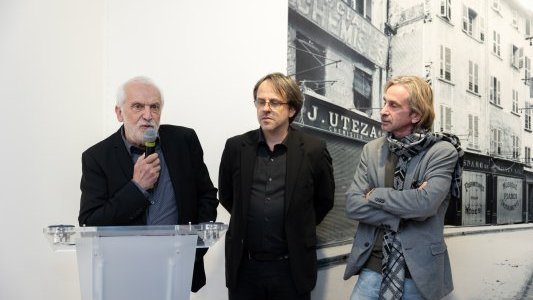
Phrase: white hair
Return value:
(121, 92)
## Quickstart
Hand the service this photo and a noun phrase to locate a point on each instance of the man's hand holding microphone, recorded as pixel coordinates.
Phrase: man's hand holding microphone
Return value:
(147, 168)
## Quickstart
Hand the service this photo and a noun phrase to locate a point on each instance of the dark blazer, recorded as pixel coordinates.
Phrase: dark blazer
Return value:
(109, 197)
(309, 194)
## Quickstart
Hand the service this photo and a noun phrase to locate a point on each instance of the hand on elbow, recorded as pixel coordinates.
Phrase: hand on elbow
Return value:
(422, 186)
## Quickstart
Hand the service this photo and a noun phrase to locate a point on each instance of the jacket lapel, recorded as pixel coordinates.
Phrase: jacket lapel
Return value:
(172, 153)
(248, 157)
(295, 155)
(383, 153)
(122, 155)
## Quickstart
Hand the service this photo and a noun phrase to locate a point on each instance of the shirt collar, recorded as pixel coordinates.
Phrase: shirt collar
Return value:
(261, 139)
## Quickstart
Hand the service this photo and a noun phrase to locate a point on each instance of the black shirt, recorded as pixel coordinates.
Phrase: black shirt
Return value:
(265, 230)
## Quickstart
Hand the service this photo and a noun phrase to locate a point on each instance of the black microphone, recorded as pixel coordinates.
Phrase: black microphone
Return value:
(149, 137)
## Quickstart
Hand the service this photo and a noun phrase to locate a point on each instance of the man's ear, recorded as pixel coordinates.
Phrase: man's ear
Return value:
(415, 117)
(118, 112)
(292, 112)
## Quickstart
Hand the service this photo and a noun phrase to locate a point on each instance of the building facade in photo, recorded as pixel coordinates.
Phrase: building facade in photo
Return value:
(338, 52)
(477, 56)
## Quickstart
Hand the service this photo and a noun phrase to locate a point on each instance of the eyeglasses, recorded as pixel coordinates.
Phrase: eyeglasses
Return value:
(273, 104)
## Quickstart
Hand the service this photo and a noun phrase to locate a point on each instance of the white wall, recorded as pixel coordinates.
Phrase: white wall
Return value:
(61, 61)
(51, 97)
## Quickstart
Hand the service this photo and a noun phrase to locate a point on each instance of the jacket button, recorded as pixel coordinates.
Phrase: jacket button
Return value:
(367, 244)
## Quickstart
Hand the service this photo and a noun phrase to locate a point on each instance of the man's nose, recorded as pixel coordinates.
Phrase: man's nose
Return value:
(384, 110)
(266, 107)
(147, 113)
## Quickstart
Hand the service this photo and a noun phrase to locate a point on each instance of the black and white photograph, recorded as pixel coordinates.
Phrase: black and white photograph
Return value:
(476, 55)
(150, 149)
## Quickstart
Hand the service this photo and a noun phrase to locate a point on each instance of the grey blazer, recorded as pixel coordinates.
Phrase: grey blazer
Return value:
(416, 215)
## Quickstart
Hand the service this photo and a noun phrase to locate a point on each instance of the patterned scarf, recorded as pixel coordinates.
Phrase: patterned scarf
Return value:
(411, 145)
(393, 264)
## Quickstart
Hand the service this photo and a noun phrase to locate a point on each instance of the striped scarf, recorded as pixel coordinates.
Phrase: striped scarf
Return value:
(411, 145)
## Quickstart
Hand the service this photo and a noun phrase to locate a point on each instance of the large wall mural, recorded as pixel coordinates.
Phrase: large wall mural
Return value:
(341, 52)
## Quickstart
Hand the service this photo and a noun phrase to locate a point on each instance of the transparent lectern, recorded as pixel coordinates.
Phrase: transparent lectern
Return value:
(135, 262)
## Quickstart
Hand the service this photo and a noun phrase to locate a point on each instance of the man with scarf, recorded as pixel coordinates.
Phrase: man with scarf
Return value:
(399, 196)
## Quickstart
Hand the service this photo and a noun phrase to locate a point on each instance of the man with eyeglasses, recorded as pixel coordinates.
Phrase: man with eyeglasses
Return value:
(277, 184)
(120, 186)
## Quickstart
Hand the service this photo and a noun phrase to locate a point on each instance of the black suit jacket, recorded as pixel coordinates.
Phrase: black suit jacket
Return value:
(109, 197)
(309, 195)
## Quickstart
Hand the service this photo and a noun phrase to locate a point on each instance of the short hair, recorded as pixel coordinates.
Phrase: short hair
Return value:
(420, 99)
(121, 92)
(286, 87)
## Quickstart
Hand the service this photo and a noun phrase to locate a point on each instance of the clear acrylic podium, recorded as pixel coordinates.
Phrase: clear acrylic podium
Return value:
(135, 262)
